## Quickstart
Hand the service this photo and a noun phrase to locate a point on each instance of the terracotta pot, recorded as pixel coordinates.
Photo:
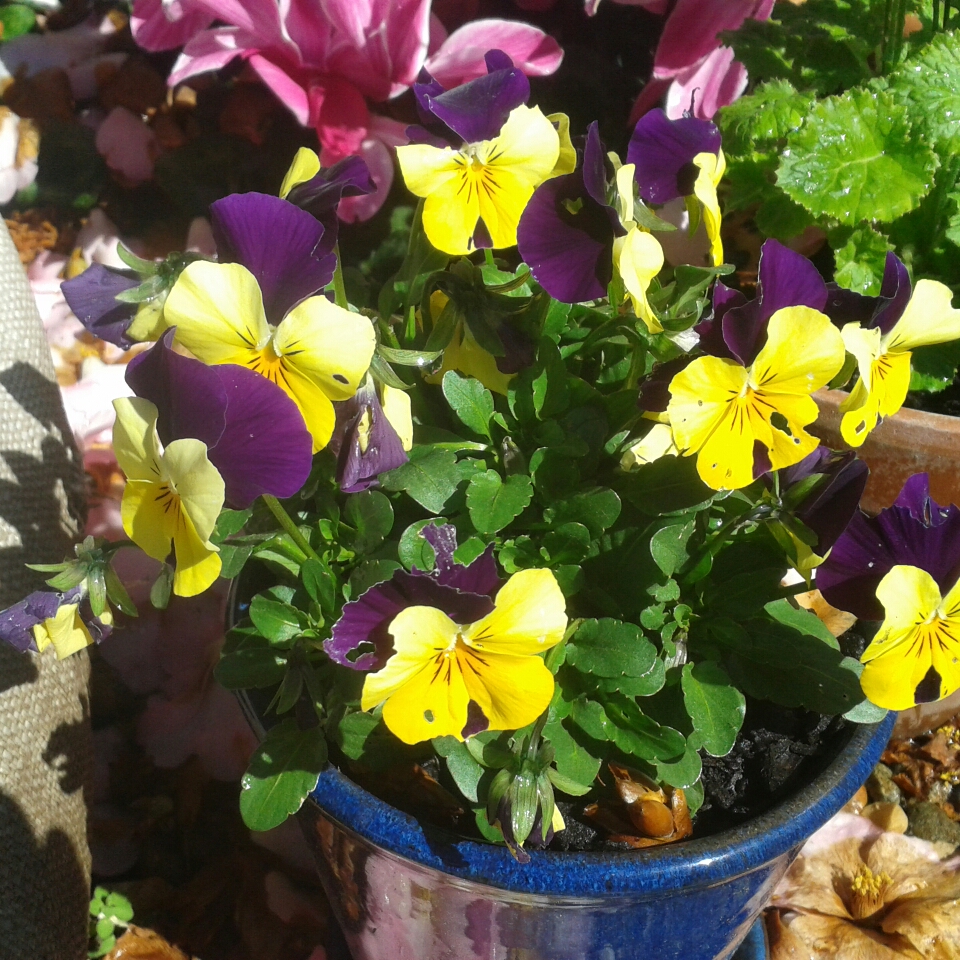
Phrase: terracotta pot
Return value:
(912, 441)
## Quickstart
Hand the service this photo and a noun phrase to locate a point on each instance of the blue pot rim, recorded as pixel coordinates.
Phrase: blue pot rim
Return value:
(693, 863)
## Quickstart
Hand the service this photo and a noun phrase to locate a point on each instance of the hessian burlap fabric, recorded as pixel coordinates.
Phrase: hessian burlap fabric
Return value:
(45, 748)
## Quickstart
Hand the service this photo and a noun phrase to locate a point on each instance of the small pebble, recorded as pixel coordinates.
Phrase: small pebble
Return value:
(944, 848)
(929, 822)
(857, 802)
(887, 816)
(939, 792)
(880, 785)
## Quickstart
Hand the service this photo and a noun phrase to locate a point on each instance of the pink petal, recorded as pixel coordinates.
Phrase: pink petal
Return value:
(289, 92)
(310, 30)
(127, 144)
(460, 58)
(209, 50)
(650, 97)
(713, 83)
(438, 33)
(260, 18)
(348, 17)
(340, 115)
(376, 151)
(691, 31)
(155, 27)
(654, 6)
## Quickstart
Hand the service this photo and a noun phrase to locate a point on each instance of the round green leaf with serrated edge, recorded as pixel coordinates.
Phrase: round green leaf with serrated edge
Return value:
(929, 87)
(668, 547)
(493, 503)
(471, 401)
(282, 771)
(414, 550)
(430, 477)
(370, 514)
(715, 706)
(278, 622)
(611, 648)
(682, 773)
(857, 158)
(861, 257)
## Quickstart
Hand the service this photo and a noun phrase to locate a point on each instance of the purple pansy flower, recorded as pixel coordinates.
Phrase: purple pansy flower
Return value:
(280, 244)
(360, 639)
(737, 329)
(567, 230)
(883, 311)
(254, 432)
(829, 508)
(364, 441)
(17, 622)
(322, 193)
(662, 151)
(915, 531)
(92, 297)
(476, 110)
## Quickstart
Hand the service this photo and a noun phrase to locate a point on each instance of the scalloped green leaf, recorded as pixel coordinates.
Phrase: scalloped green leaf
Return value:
(430, 477)
(857, 158)
(470, 400)
(611, 648)
(767, 115)
(492, 502)
(715, 706)
(861, 255)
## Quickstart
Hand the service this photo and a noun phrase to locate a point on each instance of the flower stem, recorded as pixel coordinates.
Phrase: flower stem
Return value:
(285, 521)
(339, 288)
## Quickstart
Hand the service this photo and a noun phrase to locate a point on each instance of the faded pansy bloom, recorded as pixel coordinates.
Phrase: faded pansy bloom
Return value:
(742, 421)
(366, 440)
(883, 344)
(260, 311)
(19, 149)
(172, 496)
(67, 632)
(916, 531)
(253, 432)
(680, 158)
(474, 196)
(858, 893)
(45, 616)
(308, 186)
(440, 666)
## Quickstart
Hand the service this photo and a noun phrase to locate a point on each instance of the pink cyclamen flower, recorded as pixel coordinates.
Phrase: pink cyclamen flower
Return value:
(326, 61)
(691, 66)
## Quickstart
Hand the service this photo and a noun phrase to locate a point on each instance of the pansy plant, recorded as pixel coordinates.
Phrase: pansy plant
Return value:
(528, 518)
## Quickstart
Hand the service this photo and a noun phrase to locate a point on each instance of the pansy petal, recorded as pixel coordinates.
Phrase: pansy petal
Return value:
(304, 166)
(639, 260)
(278, 243)
(432, 703)
(804, 352)
(712, 167)
(512, 691)
(217, 309)
(197, 565)
(135, 442)
(594, 165)
(66, 631)
(144, 517)
(92, 297)
(528, 145)
(198, 484)
(929, 318)
(313, 403)
(699, 396)
(663, 151)
(529, 616)
(895, 292)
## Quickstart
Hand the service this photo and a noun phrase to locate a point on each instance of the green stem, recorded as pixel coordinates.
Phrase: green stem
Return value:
(285, 521)
(339, 289)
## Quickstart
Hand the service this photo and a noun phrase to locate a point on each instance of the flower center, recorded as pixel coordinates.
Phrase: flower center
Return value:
(868, 892)
(168, 498)
(270, 364)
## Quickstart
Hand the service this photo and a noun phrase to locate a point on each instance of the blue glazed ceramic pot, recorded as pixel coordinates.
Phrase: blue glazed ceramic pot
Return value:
(402, 891)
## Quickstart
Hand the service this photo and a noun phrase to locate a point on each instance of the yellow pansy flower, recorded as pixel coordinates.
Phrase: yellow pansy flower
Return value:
(439, 666)
(721, 410)
(66, 631)
(173, 496)
(917, 649)
(712, 167)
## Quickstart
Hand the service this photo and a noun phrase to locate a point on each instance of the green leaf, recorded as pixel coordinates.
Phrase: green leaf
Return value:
(353, 731)
(16, 19)
(666, 485)
(430, 477)
(117, 593)
(646, 686)
(282, 771)
(715, 706)
(668, 547)
(682, 773)
(252, 664)
(414, 550)
(230, 522)
(320, 584)
(566, 544)
(856, 158)
(493, 503)
(371, 573)
(550, 386)
(928, 85)
(934, 368)
(233, 559)
(596, 509)
(161, 588)
(861, 256)
(370, 514)
(470, 400)
(610, 648)
(803, 620)
(278, 622)
(572, 761)
(466, 772)
(764, 118)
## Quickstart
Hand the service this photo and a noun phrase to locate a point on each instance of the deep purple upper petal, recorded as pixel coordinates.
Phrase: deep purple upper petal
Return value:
(569, 253)
(477, 110)
(894, 296)
(255, 434)
(279, 243)
(594, 165)
(829, 510)
(362, 458)
(92, 297)
(710, 330)
(17, 622)
(845, 306)
(478, 577)
(663, 151)
(915, 531)
(321, 195)
(366, 620)
(786, 279)
(425, 89)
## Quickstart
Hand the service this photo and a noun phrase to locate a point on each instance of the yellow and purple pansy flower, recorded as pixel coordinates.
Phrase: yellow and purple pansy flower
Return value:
(680, 158)
(453, 651)
(92, 296)
(882, 333)
(45, 617)
(902, 567)
(474, 195)
(258, 307)
(743, 410)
